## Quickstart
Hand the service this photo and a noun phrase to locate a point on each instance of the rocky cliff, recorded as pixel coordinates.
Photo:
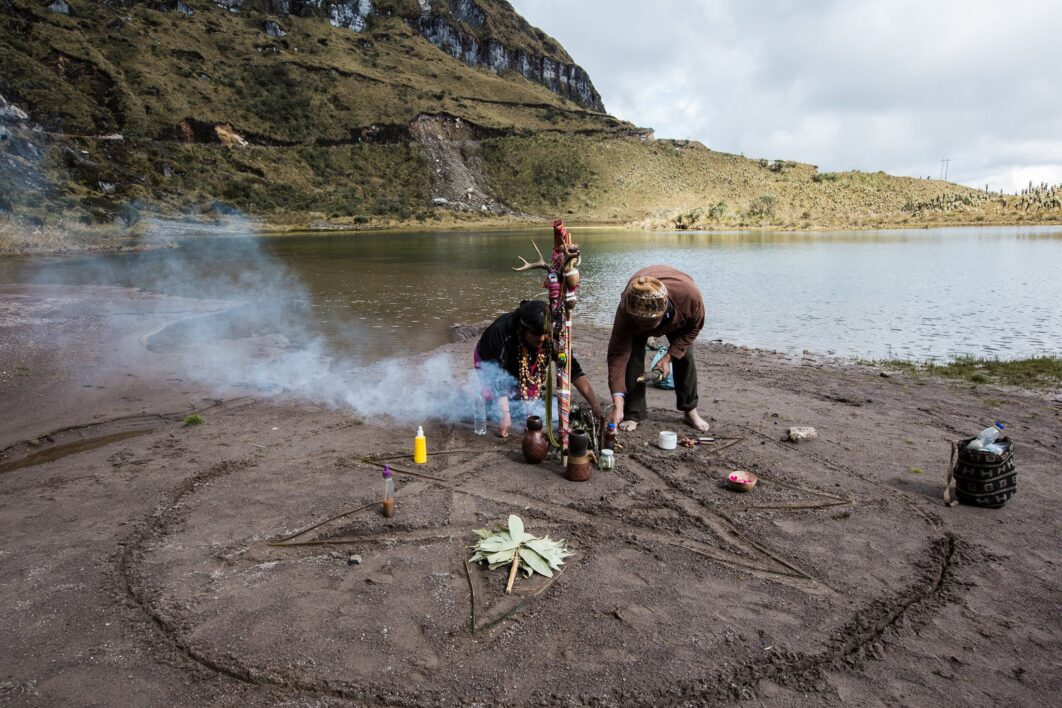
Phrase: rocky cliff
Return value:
(482, 33)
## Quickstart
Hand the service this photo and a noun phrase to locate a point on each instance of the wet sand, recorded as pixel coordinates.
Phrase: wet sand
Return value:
(136, 564)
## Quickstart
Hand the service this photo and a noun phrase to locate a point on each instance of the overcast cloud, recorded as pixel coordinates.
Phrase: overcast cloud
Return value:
(892, 85)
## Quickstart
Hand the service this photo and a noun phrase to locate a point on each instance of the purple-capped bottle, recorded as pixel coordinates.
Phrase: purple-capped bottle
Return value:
(389, 493)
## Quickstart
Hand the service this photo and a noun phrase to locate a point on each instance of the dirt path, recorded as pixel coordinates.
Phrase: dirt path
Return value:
(141, 568)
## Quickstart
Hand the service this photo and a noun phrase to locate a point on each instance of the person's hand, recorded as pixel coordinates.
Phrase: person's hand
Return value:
(617, 409)
(505, 425)
(664, 365)
(599, 414)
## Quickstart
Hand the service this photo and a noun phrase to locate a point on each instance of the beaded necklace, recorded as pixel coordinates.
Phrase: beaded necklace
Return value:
(533, 378)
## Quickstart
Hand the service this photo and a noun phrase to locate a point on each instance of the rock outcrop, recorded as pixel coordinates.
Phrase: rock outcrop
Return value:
(452, 151)
(481, 33)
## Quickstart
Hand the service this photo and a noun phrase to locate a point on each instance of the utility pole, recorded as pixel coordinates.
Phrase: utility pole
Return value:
(944, 168)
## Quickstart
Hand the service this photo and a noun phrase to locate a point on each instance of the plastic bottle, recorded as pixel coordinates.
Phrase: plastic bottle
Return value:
(609, 440)
(389, 493)
(986, 439)
(420, 447)
(480, 416)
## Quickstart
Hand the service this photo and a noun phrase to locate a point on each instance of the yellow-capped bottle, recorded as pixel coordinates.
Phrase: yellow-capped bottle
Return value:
(420, 447)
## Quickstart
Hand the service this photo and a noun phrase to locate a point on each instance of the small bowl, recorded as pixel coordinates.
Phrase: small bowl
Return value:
(741, 481)
(668, 440)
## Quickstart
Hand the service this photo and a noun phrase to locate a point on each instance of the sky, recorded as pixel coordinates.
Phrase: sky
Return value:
(893, 85)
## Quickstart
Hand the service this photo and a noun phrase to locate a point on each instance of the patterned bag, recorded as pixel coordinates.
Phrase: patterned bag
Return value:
(981, 478)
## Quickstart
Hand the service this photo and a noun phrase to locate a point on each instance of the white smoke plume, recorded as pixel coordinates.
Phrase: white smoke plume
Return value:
(263, 335)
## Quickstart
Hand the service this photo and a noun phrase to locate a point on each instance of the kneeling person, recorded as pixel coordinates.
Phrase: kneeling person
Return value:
(518, 343)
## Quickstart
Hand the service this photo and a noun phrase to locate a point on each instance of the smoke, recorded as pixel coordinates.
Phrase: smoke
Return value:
(255, 328)
(254, 325)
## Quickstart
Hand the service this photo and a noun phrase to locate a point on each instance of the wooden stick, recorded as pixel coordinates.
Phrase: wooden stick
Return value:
(399, 455)
(827, 505)
(283, 541)
(772, 480)
(523, 603)
(399, 470)
(472, 590)
(720, 448)
(512, 573)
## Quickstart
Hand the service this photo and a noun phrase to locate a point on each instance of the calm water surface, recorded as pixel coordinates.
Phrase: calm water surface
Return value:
(910, 294)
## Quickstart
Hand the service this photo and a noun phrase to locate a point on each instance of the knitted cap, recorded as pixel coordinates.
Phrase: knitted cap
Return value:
(645, 299)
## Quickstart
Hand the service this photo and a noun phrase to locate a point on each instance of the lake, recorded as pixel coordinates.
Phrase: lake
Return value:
(913, 294)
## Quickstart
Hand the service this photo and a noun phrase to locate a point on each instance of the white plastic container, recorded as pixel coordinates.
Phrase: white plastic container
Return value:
(668, 440)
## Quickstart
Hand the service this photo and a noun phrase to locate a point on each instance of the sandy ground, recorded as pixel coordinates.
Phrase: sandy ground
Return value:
(135, 566)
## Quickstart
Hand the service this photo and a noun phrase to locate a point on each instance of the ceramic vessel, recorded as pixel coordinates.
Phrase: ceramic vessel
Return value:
(536, 444)
(578, 442)
(579, 468)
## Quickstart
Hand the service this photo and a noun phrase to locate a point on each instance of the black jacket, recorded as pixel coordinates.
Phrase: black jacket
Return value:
(500, 343)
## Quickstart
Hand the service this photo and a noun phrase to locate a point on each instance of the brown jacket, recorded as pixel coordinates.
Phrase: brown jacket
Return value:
(681, 324)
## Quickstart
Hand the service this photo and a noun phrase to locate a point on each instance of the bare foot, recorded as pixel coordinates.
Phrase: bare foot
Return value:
(695, 421)
(628, 425)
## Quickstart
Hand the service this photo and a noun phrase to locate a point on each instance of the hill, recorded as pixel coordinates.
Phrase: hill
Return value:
(368, 113)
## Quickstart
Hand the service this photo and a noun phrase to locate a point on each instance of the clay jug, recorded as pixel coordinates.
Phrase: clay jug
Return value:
(535, 445)
(579, 468)
(578, 441)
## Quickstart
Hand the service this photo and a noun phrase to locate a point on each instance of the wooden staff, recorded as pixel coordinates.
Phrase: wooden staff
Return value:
(562, 281)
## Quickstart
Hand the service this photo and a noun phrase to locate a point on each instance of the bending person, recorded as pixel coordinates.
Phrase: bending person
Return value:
(517, 343)
(658, 300)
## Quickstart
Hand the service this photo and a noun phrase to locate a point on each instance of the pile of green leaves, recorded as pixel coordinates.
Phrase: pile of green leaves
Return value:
(498, 547)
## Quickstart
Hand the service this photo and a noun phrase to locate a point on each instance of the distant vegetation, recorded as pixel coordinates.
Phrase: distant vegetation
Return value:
(1035, 373)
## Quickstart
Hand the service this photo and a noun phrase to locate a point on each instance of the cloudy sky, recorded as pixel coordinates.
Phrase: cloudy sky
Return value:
(894, 85)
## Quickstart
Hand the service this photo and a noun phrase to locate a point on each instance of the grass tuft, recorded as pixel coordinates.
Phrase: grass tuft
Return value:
(1043, 372)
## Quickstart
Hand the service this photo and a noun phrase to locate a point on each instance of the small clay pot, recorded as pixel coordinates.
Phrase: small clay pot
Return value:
(578, 442)
(579, 468)
(535, 445)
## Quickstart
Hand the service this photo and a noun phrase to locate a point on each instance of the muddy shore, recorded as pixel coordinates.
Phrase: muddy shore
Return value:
(136, 566)
(16, 240)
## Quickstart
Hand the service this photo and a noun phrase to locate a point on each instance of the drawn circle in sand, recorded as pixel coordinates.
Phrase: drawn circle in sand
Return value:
(677, 583)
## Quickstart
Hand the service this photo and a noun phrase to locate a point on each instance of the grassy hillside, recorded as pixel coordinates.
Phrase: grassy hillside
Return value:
(136, 111)
(142, 72)
(682, 184)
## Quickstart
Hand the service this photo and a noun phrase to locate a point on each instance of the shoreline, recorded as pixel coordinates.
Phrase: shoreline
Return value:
(140, 238)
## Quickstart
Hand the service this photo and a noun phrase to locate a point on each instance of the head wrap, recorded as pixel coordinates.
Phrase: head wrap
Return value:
(645, 299)
(532, 316)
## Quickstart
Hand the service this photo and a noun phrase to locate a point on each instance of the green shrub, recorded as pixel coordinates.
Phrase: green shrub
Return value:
(762, 206)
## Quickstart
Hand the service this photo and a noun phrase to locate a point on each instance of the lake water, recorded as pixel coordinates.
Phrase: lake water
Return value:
(917, 294)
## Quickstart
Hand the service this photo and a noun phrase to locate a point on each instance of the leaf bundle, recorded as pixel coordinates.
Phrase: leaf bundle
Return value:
(499, 547)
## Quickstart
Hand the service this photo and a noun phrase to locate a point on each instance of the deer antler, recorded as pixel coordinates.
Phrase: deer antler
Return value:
(540, 263)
